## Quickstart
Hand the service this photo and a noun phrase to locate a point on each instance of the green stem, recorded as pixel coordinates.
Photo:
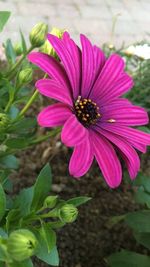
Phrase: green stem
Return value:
(29, 103)
(45, 137)
(11, 100)
(51, 214)
(11, 74)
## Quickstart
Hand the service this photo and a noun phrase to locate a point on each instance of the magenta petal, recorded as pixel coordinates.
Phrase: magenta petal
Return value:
(99, 60)
(93, 60)
(53, 89)
(107, 160)
(125, 114)
(118, 88)
(129, 154)
(81, 159)
(73, 132)
(137, 138)
(87, 66)
(110, 73)
(54, 115)
(68, 60)
(75, 53)
(51, 66)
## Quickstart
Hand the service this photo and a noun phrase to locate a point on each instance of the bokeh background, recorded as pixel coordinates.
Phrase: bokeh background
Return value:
(92, 17)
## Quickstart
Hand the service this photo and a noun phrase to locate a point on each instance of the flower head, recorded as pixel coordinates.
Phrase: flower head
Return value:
(141, 51)
(96, 120)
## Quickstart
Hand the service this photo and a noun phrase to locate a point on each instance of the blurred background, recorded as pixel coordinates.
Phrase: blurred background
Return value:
(96, 18)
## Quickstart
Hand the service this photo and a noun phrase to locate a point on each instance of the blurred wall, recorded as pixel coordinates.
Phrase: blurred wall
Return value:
(92, 17)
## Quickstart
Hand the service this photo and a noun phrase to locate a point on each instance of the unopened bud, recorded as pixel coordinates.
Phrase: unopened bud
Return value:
(47, 47)
(38, 34)
(18, 49)
(4, 121)
(25, 76)
(50, 201)
(21, 244)
(68, 213)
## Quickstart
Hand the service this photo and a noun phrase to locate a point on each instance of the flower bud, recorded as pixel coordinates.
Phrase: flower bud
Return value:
(38, 34)
(21, 244)
(18, 49)
(50, 202)
(47, 47)
(25, 76)
(4, 121)
(68, 213)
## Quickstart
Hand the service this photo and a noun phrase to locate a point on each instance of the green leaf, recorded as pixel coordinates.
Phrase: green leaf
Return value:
(10, 53)
(2, 264)
(23, 125)
(13, 112)
(5, 181)
(142, 197)
(77, 201)
(3, 253)
(24, 200)
(128, 259)
(2, 202)
(49, 236)
(4, 16)
(143, 181)
(26, 263)
(17, 143)
(23, 43)
(42, 187)
(9, 162)
(3, 233)
(143, 238)
(13, 219)
(51, 258)
(139, 221)
(42, 253)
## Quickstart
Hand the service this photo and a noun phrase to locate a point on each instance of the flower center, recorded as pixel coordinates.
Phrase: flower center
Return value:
(86, 111)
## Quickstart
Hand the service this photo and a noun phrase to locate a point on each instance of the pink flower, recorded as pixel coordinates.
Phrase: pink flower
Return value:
(96, 121)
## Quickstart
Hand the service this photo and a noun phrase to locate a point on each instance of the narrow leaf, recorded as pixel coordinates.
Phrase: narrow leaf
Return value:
(4, 16)
(2, 202)
(49, 236)
(77, 201)
(139, 221)
(42, 187)
(128, 258)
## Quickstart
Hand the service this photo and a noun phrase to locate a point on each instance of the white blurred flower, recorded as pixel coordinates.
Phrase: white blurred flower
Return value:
(141, 51)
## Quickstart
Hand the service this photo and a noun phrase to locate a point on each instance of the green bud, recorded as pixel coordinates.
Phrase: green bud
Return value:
(4, 121)
(68, 213)
(38, 34)
(18, 49)
(47, 47)
(25, 76)
(21, 244)
(50, 201)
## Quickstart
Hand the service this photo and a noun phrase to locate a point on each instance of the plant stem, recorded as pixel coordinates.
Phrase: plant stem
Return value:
(11, 74)
(45, 137)
(29, 103)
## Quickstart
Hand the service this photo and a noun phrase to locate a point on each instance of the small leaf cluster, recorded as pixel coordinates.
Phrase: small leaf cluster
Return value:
(37, 212)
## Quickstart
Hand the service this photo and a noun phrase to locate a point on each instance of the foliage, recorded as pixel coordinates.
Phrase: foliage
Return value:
(138, 221)
(28, 211)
